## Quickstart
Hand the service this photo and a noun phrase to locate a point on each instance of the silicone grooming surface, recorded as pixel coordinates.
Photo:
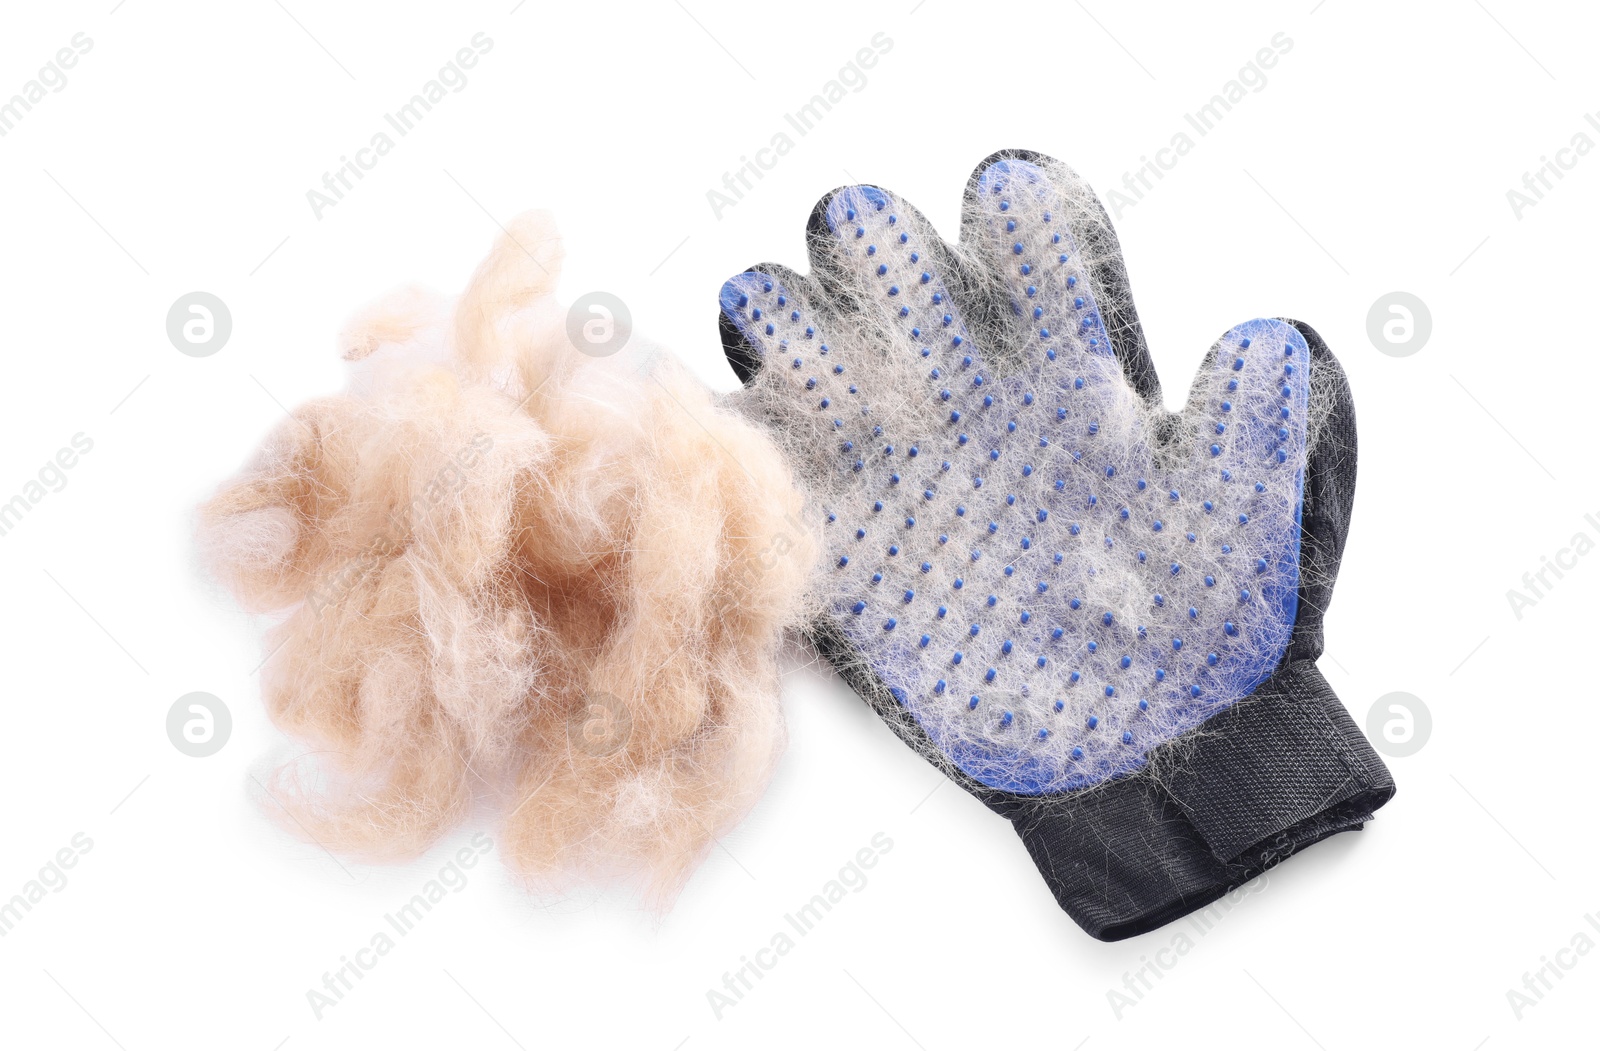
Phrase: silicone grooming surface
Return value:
(1048, 571)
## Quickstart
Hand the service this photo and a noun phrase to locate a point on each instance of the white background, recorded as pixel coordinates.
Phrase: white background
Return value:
(1376, 158)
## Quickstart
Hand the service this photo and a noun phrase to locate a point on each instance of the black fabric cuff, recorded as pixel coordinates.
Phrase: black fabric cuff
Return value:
(1275, 773)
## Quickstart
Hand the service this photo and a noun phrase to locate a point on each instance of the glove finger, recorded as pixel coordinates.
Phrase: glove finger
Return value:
(802, 359)
(888, 266)
(889, 263)
(778, 340)
(879, 305)
(1329, 490)
(1100, 254)
(1238, 471)
(1018, 221)
(1246, 422)
(887, 255)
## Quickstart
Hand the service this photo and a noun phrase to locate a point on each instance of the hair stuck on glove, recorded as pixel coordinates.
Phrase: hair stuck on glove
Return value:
(1054, 572)
(512, 571)
(1054, 588)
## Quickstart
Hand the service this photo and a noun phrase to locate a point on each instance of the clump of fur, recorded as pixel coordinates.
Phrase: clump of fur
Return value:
(510, 569)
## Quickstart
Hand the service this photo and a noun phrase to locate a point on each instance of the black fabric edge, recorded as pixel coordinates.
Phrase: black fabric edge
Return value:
(1179, 835)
